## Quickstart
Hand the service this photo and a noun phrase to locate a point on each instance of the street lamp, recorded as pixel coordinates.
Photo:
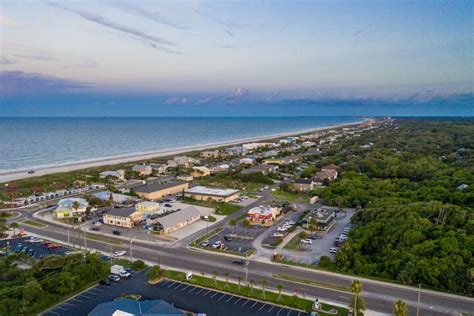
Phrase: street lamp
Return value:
(131, 255)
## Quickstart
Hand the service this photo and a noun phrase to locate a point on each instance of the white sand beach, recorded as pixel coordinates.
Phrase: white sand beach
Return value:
(44, 170)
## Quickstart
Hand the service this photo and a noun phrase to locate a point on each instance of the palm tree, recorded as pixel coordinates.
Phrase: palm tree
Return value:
(264, 283)
(226, 279)
(75, 205)
(358, 303)
(313, 225)
(3, 227)
(252, 283)
(239, 279)
(400, 308)
(280, 288)
(14, 226)
(214, 277)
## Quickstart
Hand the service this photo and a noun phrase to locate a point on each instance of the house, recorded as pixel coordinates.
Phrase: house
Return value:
(236, 151)
(282, 161)
(182, 161)
(304, 185)
(322, 177)
(247, 161)
(129, 307)
(185, 177)
(220, 168)
(270, 153)
(330, 167)
(210, 154)
(159, 168)
(126, 217)
(202, 193)
(177, 220)
(66, 209)
(158, 190)
(325, 219)
(113, 197)
(254, 146)
(312, 151)
(263, 214)
(113, 176)
(147, 207)
(79, 184)
(201, 172)
(142, 170)
(263, 169)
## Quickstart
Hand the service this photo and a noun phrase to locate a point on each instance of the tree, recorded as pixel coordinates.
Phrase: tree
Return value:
(3, 227)
(214, 277)
(239, 279)
(263, 283)
(233, 222)
(252, 283)
(280, 288)
(14, 226)
(138, 265)
(75, 206)
(32, 291)
(155, 273)
(400, 308)
(358, 303)
(303, 234)
(313, 225)
(226, 279)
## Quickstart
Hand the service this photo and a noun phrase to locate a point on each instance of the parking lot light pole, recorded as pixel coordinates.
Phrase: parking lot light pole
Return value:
(85, 239)
(246, 269)
(131, 255)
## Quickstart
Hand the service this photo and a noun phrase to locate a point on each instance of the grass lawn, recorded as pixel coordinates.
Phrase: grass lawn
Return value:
(257, 292)
(310, 282)
(33, 223)
(294, 243)
(103, 239)
(227, 181)
(5, 215)
(288, 196)
(221, 208)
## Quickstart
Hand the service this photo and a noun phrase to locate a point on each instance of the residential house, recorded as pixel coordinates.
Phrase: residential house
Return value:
(142, 170)
(116, 198)
(158, 190)
(220, 168)
(147, 206)
(201, 171)
(236, 151)
(113, 176)
(210, 154)
(263, 169)
(304, 185)
(247, 161)
(185, 177)
(182, 161)
(202, 193)
(159, 169)
(66, 209)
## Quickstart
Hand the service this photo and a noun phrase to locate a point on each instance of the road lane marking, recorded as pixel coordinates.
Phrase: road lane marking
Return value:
(253, 304)
(237, 300)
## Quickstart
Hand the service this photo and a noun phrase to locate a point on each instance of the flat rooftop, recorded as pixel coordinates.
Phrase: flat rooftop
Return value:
(211, 191)
(153, 187)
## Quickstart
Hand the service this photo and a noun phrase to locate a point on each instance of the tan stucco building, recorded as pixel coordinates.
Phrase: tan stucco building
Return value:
(202, 193)
(156, 191)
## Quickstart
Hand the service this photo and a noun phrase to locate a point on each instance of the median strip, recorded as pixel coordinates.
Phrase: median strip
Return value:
(310, 282)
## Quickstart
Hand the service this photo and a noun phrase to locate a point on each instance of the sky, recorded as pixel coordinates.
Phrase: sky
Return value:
(91, 58)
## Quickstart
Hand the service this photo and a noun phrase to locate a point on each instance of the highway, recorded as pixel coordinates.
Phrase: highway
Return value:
(379, 296)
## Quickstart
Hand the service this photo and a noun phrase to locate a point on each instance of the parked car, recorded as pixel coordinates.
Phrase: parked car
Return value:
(281, 229)
(276, 235)
(218, 244)
(31, 252)
(168, 205)
(290, 223)
(129, 270)
(239, 262)
(125, 275)
(104, 282)
(119, 253)
(312, 237)
(205, 243)
(333, 250)
(117, 232)
(106, 258)
(306, 241)
(114, 278)
(228, 238)
(95, 228)
(35, 239)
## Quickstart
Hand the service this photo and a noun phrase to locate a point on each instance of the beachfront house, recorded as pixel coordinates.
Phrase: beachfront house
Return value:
(263, 169)
(142, 170)
(71, 207)
(200, 171)
(210, 154)
(182, 161)
(113, 176)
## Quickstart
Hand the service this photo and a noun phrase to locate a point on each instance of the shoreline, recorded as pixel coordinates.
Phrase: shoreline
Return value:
(19, 174)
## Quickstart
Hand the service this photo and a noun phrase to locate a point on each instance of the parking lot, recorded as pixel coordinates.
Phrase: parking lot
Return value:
(236, 239)
(38, 251)
(183, 296)
(290, 216)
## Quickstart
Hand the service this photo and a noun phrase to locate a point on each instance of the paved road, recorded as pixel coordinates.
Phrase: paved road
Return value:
(379, 296)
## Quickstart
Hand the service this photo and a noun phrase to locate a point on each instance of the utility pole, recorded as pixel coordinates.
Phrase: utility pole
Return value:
(418, 305)
(85, 238)
(68, 232)
(131, 255)
(246, 269)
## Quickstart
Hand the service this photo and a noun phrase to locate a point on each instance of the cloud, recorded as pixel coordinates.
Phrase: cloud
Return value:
(37, 57)
(6, 61)
(177, 101)
(239, 94)
(146, 39)
(207, 100)
(7, 21)
(20, 83)
(227, 27)
(152, 16)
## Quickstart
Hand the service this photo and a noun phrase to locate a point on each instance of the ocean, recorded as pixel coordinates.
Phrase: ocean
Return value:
(40, 142)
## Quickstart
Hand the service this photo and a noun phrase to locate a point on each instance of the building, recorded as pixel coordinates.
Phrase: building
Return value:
(462, 187)
(177, 220)
(126, 217)
(65, 208)
(263, 214)
(325, 219)
(236, 151)
(220, 168)
(201, 172)
(281, 161)
(254, 146)
(210, 154)
(264, 169)
(116, 198)
(159, 168)
(202, 193)
(113, 176)
(147, 207)
(247, 161)
(304, 185)
(330, 167)
(158, 190)
(185, 177)
(142, 170)
(182, 161)
(129, 307)
(324, 176)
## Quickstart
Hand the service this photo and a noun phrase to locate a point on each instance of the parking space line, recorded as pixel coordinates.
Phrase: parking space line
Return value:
(82, 295)
(222, 297)
(194, 288)
(299, 313)
(206, 293)
(245, 302)
(75, 299)
(279, 311)
(289, 311)
(237, 300)
(66, 303)
(231, 297)
(97, 289)
(199, 291)
(171, 284)
(91, 293)
(53, 313)
(253, 304)
(268, 311)
(262, 307)
(62, 308)
(184, 288)
(214, 294)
